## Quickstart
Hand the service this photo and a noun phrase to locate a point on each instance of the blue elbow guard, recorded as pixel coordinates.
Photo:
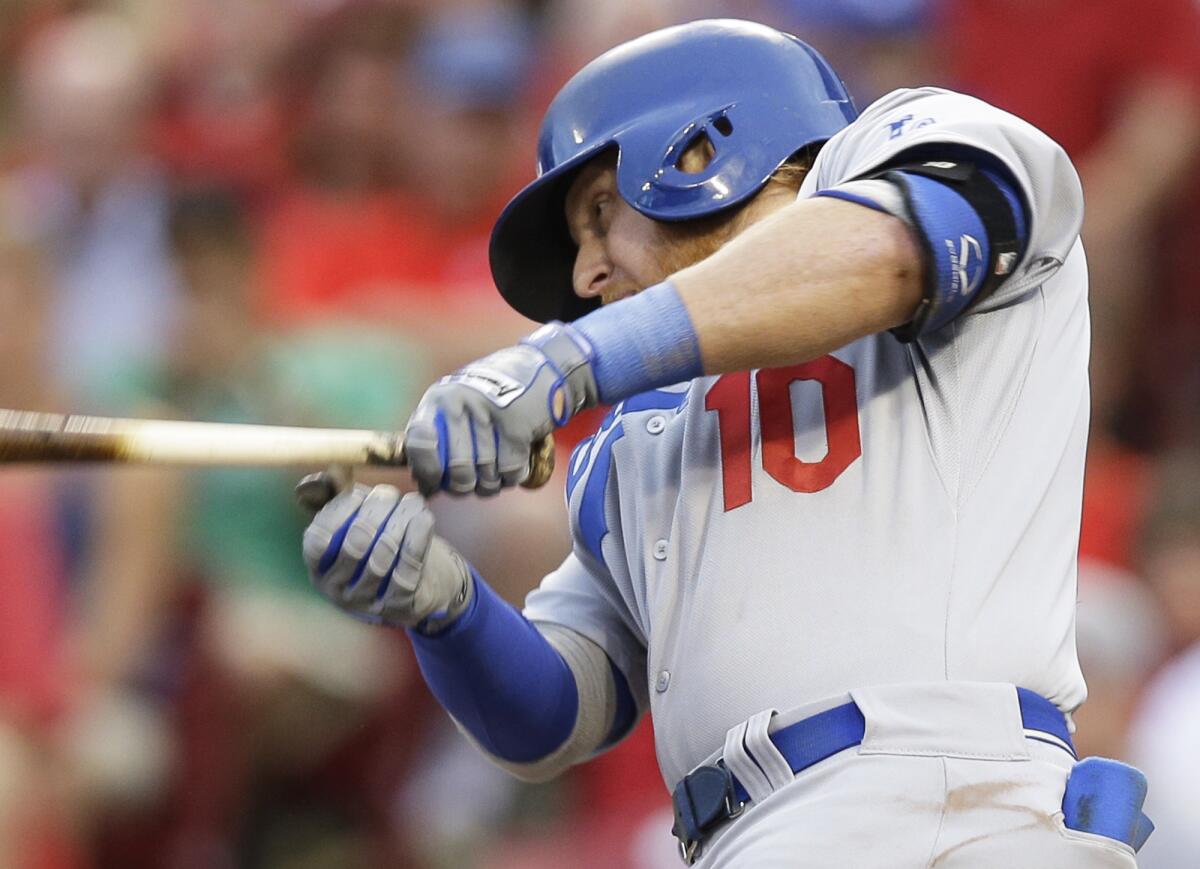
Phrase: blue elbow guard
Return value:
(500, 679)
(1105, 797)
(972, 227)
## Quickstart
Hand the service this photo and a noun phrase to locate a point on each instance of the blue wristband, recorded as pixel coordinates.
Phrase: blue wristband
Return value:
(641, 343)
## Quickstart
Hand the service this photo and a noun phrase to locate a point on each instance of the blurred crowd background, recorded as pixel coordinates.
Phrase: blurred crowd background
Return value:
(278, 211)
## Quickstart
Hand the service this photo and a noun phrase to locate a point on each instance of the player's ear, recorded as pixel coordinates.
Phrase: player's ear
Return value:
(697, 155)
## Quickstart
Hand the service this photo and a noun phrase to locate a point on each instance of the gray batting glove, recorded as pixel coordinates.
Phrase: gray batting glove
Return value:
(374, 554)
(473, 431)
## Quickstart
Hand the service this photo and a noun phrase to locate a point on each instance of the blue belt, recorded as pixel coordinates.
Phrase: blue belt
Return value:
(709, 795)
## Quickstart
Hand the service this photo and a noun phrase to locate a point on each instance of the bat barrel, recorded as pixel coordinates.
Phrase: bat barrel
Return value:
(29, 437)
(37, 437)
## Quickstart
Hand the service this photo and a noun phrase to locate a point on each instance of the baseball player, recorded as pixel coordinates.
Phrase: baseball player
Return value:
(827, 534)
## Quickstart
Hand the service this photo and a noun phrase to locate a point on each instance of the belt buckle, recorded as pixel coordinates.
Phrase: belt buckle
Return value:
(703, 798)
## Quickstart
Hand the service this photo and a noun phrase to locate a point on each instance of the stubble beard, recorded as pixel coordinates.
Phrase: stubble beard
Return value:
(678, 245)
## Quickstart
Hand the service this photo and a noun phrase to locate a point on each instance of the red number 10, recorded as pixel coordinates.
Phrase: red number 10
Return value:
(729, 397)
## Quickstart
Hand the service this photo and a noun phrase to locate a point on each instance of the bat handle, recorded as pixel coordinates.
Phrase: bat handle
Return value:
(316, 490)
(541, 463)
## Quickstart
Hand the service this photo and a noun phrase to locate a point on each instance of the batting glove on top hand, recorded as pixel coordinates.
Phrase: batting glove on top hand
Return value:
(374, 555)
(473, 430)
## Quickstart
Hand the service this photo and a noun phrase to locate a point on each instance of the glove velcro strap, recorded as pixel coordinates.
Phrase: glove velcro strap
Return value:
(570, 353)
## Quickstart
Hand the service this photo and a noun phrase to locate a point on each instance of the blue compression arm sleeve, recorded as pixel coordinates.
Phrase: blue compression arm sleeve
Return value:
(500, 679)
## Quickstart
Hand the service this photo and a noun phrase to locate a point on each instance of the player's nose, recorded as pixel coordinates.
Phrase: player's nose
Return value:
(593, 270)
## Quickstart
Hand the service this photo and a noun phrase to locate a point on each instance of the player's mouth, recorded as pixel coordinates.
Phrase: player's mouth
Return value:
(610, 296)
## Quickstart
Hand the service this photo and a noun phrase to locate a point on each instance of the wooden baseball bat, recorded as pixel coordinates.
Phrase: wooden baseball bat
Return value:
(30, 437)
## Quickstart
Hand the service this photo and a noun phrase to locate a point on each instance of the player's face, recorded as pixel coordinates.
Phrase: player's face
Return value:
(621, 251)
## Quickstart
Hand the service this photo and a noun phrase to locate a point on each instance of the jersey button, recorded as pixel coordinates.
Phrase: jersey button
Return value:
(655, 424)
(660, 550)
(663, 682)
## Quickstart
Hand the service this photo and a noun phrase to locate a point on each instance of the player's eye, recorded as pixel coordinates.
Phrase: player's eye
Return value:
(601, 208)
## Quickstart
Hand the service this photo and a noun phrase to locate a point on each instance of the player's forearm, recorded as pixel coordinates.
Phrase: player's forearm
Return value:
(809, 279)
(813, 277)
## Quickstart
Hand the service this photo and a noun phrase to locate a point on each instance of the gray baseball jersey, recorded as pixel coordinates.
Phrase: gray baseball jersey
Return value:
(889, 513)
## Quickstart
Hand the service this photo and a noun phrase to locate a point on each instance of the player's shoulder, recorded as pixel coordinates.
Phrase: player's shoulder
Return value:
(911, 117)
(933, 99)
(929, 107)
(930, 123)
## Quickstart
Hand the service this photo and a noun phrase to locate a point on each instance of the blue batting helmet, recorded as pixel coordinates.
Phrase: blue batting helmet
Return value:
(757, 94)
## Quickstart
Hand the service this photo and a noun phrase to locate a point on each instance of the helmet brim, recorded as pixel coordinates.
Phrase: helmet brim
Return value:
(531, 252)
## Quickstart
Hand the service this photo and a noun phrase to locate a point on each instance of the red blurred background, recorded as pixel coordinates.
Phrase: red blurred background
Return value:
(278, 211)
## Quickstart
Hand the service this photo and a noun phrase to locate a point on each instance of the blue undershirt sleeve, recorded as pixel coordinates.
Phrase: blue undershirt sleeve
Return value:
(500, 679)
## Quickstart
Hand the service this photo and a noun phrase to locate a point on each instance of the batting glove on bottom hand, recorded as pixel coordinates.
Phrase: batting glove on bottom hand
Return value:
(374, 554)
(473, 431)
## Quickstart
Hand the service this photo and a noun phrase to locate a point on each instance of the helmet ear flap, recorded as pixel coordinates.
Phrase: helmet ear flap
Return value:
(697, 154)
(700, 143)
(702, 162)
(694, 148)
